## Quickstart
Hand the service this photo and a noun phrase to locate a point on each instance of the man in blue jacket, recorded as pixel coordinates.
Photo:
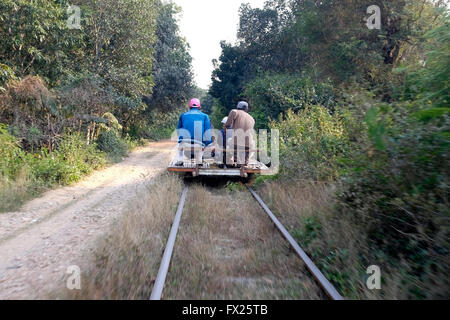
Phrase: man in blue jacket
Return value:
(194, 127)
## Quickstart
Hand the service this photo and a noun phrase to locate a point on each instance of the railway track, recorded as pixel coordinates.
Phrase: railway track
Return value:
(326, 286)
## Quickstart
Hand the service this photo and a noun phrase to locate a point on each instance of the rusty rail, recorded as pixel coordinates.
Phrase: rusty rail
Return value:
(324, 283)
(165, 262)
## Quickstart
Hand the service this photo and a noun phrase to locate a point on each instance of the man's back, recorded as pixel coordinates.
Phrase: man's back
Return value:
(243, 135)
(240, 119)
(189, 120)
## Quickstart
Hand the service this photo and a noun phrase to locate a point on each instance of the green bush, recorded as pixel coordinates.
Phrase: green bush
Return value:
(72, 160)
(110, 143)
(12, 156)
(311, 230)
(14, 171)
(217, 115)
(6, 75)
(234, 186)
(427, 83)
(392, 183)
(397, 189)
(273, 95)
(312, 143)
(24, 175)
(402, 179)
(156, 125)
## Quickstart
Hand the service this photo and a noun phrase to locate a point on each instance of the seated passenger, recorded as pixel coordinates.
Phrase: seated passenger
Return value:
(196, 129)
(242, 136)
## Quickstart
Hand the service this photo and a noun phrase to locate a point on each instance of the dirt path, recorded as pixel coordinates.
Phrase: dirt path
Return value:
(49, 234)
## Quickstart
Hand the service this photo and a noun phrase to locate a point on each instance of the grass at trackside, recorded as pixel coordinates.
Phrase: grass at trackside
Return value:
(227, 248)
(126, 260)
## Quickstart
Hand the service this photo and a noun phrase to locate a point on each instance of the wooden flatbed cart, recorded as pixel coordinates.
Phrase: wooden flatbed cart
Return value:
(208, 166)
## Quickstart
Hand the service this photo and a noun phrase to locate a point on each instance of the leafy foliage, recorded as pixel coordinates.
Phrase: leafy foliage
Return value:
(217, 114)
(24, 174)
(109, 142)
(229, 76)
(121, 49)
(12, 154)
(325, 39)
(172, 63)
(89, 82)
(400, 183)
(158, 125)
(312, 143)
(35, 38)
(428, 83)
(273, 95)
(365, 110)
(124, 51)
(69, 163)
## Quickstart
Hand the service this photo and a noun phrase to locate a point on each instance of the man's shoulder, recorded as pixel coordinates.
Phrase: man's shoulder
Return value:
(189, 112)
(195, 112)
(245, 114)
(203, 114)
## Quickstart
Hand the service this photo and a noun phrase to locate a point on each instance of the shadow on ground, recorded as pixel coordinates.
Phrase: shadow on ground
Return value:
(213, 182)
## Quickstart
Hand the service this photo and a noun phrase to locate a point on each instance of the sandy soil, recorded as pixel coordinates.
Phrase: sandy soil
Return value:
(49, 234)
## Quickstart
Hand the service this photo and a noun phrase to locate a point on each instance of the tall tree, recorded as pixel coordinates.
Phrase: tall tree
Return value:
(121, 37)
(34, 39)
(231, 72)
(324, 39)
(172, 70)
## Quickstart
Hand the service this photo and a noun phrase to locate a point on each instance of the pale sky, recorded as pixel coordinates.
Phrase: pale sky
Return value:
(204, 23)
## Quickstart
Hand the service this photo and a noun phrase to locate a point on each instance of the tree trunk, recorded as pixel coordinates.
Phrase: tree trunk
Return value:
(88, 135)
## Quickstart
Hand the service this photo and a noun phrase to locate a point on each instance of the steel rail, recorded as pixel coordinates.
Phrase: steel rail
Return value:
(324, 283)
(165, 262)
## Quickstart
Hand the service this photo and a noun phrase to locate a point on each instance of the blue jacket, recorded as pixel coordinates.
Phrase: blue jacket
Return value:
(195, 119)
